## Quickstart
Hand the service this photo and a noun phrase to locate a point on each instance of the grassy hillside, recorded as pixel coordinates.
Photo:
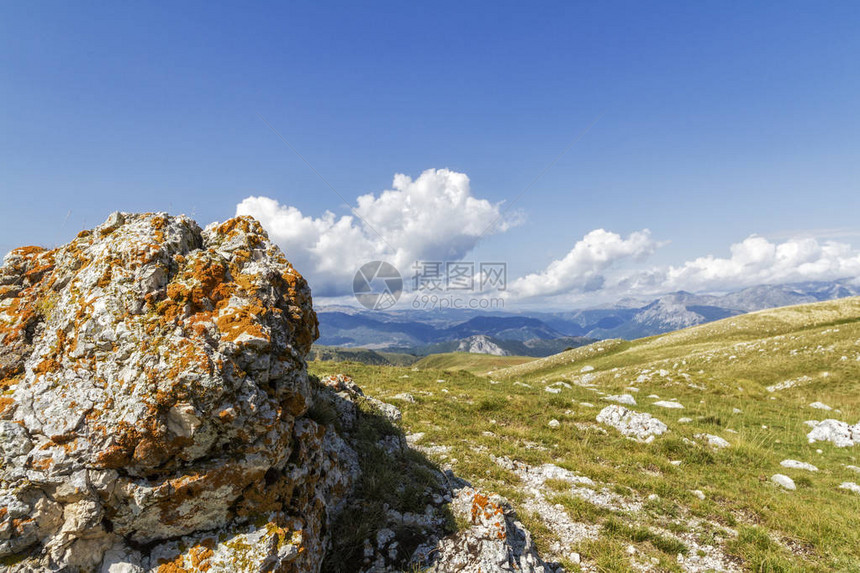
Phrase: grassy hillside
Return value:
(677, 503)
(363, 355)
(475, 363)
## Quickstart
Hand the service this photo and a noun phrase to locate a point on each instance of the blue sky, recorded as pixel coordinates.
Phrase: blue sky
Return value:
(717, 121)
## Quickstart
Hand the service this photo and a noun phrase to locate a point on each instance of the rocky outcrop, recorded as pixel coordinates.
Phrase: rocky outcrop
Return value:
(154, 404)
(636, 425)
(840, 434)
(494, 541)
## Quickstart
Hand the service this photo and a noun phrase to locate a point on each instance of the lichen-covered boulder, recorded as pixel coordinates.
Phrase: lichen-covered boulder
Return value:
(495, 540)
(153, 393)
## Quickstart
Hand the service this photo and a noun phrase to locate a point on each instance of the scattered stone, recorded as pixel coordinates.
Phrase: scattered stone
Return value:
(698, 493)
(669, 404)
(495, 540)
(840, 434)
(714, 441)
(737, 411)
(587, 369)
(783, 481)
(685, 420)
(788, 384)
(850, 486)
(796, 465)
(636, 425)
(820, 406)
(587, 405)
(853, 468)
(626, 399)
(389, 411)
(554, 423)
(405, 397)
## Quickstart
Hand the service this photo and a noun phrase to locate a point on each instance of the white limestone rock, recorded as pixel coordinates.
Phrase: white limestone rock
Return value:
(840, 434)
(783, 481)
(636, 425)
(671, 404)
(796, 465)
(626, 399)
(714, 441)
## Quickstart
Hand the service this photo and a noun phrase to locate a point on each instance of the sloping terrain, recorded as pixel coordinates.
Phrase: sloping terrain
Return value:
(475, 363)
(715, 436)
(363, 355)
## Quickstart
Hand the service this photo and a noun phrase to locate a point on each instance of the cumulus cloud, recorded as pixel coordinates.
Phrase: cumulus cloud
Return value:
(756, 260)
(597, 268)
(432, 217)
(582, 269)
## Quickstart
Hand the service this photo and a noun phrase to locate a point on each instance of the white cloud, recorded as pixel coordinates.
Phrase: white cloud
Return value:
(597, 268)
(756, 260)
(582, 269)
(433, 217)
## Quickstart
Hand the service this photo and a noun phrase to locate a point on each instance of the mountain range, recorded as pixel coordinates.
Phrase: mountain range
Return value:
(545, 333)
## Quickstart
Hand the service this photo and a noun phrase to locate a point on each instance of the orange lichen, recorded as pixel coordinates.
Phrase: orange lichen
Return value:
(5, 402)
(199, 557)
(47, 365)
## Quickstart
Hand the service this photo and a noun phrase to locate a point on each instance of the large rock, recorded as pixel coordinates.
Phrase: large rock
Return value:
(153, 404)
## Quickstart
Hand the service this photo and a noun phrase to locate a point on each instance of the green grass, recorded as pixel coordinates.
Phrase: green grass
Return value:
(712, 370)
(475, 363)
(362, 355)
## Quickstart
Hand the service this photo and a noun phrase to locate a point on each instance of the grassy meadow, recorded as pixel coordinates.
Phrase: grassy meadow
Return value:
(676, 501)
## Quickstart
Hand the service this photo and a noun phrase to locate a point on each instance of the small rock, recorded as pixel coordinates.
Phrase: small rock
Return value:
(820, 406)
(698, 493)
(626, 399)
(554, 423)
(783, 481)
(714, 441)
(587, 368)
(850, 486)
(669, 404)
(796, 465)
